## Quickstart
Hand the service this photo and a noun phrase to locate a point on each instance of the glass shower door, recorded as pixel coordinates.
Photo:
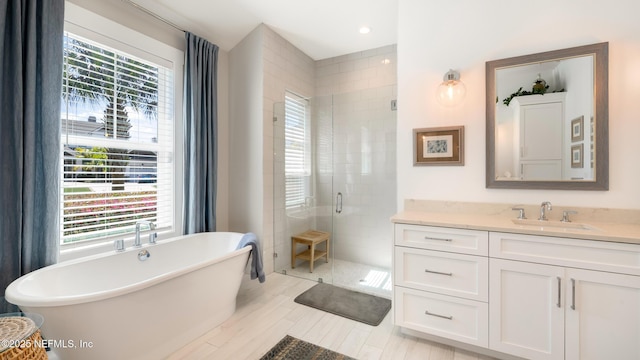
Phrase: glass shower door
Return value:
(302, 183)
(349, 190)
(364, 157)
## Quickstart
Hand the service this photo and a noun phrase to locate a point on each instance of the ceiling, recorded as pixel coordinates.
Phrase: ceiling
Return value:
(320, 28)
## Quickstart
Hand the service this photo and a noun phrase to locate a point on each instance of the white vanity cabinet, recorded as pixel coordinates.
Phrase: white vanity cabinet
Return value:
(541, 308)
(440, 282)
(513, 295)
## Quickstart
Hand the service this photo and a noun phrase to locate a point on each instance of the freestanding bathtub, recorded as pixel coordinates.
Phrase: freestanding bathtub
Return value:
(116, 306)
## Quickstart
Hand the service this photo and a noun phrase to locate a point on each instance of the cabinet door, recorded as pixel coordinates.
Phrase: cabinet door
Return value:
(526, 309)
(602, 315)
(537, 122)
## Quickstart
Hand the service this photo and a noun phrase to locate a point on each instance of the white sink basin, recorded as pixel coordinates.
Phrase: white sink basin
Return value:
(552, 224)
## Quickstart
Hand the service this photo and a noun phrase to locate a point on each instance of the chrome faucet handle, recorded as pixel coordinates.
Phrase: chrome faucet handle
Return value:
(565, 215)
(521, 212)
(119, 245)
(154, 235)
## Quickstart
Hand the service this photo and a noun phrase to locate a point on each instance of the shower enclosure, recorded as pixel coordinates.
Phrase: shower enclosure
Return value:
(334, 171)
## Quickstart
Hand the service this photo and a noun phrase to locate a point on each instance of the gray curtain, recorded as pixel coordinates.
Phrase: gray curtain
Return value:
(31, 33)
(201, 121)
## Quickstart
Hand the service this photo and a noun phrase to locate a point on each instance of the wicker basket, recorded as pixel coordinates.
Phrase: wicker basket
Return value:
(16, 330)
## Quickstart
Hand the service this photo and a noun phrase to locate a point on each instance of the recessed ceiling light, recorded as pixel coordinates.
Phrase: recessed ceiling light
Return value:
(365, 30)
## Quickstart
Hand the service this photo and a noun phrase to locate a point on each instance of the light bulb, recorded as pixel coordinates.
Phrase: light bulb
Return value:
(451, 91)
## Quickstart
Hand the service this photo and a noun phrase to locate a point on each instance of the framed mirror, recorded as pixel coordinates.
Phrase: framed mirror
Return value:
(547, 120)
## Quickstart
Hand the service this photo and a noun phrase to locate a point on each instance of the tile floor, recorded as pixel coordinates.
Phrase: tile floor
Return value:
(266, 313)
(364, 278)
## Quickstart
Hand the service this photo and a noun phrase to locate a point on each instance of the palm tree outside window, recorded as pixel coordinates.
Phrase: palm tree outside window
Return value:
(114, 111)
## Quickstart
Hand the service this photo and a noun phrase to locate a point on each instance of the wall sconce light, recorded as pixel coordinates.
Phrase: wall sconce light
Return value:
(451, 91)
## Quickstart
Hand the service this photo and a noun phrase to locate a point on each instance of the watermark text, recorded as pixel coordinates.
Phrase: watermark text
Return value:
(46, 343)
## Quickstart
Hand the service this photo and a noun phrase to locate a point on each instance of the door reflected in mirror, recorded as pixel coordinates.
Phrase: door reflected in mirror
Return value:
(547, 120)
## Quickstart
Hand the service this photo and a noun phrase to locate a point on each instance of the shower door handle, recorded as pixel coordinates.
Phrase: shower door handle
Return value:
(339, 203)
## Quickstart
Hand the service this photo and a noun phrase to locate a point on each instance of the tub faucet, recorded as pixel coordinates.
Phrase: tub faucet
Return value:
(543, 210)
(136, 240)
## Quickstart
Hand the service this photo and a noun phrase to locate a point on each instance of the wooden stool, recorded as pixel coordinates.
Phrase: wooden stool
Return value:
(310, 238)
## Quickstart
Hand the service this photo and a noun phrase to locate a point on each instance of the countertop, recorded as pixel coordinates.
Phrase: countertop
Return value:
(601, 231)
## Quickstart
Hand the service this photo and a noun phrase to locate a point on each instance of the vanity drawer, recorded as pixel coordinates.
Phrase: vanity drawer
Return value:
(587, 254)
(442, 272)
(440, 315)
(473, 242)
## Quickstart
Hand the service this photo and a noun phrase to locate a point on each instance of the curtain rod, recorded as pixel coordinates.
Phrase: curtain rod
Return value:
(149, 12)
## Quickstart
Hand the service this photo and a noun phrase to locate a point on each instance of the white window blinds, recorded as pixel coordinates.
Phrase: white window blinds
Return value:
(117, 140)
(297, 154)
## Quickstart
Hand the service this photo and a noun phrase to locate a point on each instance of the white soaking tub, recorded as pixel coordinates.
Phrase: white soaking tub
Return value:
(116, 306)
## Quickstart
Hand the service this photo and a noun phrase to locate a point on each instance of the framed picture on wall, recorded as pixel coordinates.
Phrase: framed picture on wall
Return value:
(438, 146)
(577, 156)
(577, 129)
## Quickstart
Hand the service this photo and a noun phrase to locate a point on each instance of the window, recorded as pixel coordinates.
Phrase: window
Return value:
(118, 123)
(297, 151)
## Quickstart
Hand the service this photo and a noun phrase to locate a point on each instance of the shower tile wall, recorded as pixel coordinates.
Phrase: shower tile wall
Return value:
(365, 133)
(362, 70)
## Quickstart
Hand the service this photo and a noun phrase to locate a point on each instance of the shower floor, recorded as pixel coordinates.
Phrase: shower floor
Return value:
(359, 277)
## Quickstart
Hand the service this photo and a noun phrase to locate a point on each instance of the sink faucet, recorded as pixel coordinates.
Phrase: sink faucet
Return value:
(136, 240)
(543, 210)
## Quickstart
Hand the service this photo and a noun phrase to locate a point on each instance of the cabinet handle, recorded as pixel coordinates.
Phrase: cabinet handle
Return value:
(437, 272)
(559, 290)
(573, 294)
(437, 315)
(439, 239)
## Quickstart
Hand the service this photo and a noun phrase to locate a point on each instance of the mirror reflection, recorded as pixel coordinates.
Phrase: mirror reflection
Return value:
(547, 120)
(544, 120)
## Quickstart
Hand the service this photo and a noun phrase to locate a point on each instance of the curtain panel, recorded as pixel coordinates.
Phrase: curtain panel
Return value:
(31, 33)
(200, 125)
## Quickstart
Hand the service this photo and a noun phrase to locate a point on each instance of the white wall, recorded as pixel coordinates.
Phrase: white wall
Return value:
(246, 135)
(463, 35)
(127, 15)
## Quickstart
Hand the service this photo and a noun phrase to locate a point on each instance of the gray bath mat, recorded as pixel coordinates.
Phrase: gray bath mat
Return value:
(351, 304)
